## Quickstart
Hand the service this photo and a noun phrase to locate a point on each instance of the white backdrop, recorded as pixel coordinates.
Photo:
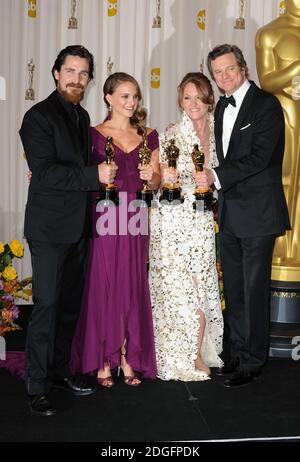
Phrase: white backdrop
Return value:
(122, 30)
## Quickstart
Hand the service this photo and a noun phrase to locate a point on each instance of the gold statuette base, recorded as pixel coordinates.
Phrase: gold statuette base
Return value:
(72, 23)
(286, 269)
(29, 95)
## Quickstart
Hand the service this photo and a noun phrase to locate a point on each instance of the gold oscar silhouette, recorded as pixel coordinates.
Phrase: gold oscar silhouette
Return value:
(145, 194)
(278, 67)
(204, 196)
(171, 192)
(109, 192)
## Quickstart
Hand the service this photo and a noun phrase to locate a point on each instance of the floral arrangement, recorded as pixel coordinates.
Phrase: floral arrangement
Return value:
(10, 286)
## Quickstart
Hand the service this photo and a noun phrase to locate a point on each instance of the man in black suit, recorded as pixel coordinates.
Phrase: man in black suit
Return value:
(249, 131)
(56, 137)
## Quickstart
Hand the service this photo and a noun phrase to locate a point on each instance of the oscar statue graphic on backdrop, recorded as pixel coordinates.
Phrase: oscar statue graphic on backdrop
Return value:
(73, 23)
(109, 192)
(157, 20)
(29, 94)
(278, 68)
(240, 21)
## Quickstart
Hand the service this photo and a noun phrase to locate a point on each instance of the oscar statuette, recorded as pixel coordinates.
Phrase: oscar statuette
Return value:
(29, 95)
(157, 20)
(73, 23)
(204, 197)
(109, 192)
(171, 192)
(145, 194)
(240, 21)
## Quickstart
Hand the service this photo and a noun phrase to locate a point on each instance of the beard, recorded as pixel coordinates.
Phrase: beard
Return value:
(74, 93)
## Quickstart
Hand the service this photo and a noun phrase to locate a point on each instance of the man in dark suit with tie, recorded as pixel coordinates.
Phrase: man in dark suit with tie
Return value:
(249, 131)
(56, 137)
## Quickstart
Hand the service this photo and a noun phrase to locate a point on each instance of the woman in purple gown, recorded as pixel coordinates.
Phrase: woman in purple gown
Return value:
(115, 327)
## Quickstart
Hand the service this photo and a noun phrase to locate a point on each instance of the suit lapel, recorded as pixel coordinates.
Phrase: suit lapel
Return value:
(219, 112)
(244, 109)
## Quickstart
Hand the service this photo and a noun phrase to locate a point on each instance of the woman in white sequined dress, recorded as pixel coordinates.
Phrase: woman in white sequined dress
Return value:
(187, 313)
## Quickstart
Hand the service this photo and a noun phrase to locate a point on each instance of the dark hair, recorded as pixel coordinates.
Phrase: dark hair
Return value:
(110, 86)
(203, 85)
(224, 49)
(74, 50)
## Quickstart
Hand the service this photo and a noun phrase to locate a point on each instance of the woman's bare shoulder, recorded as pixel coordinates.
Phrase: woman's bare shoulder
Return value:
(149, 130)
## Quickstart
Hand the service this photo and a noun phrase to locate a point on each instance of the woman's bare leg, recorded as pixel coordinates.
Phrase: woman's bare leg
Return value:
(199, 364)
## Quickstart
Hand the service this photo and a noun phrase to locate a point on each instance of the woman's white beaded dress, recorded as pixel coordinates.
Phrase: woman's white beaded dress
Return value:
(183, 276)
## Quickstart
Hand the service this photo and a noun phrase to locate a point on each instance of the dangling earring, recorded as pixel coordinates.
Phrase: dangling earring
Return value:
(109, 112)
(110, 108)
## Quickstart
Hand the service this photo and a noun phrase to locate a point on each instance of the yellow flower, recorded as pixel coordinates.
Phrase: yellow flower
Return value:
(16, 247)
(10, 273)
(1, 247)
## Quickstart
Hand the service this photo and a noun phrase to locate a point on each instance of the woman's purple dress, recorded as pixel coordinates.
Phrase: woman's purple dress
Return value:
(116, 301)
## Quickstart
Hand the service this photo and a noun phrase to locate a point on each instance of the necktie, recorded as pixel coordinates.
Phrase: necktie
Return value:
(78, 124)
(225, 101)
(76, 117)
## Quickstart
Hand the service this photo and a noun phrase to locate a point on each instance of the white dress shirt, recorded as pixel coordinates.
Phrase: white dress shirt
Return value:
(229, 118)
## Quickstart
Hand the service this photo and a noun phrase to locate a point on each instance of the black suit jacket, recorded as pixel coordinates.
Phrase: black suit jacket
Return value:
(57, 201)
(251, 198)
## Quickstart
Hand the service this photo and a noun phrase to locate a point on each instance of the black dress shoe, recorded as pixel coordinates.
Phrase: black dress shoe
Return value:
(230, 367)
(40, 405)
(239, 379)
(75, 385)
